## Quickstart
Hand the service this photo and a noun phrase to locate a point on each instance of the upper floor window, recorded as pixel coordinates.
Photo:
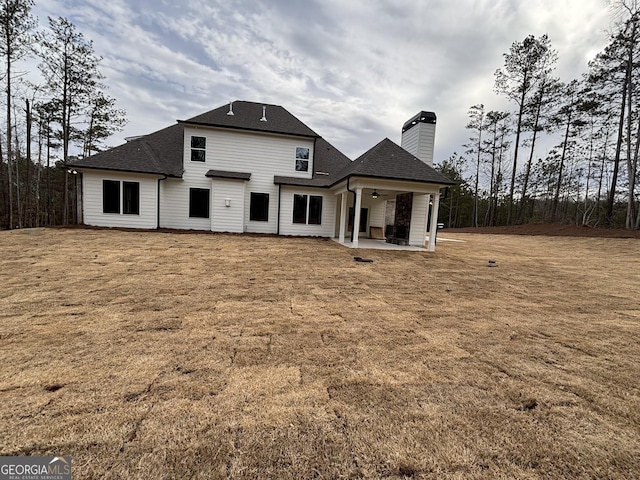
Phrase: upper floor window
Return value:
(302, 159)
(198, 148)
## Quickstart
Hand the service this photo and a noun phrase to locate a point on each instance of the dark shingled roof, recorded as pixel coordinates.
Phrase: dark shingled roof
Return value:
(159, 153)
(391, 161)
(247, 115)
(327, 159)
(225, 174)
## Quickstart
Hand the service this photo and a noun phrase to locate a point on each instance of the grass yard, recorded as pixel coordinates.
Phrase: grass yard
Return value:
(148, 355)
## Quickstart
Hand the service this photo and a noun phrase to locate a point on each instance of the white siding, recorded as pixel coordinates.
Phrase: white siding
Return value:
(262, 155)
(174, 204)
(92, 200)
(328, 221)
(418, 229)
(231, 218)
(409, 140)
(419, 140)
(376, 213)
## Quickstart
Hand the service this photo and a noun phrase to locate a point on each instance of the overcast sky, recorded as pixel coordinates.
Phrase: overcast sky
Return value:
(352, 70)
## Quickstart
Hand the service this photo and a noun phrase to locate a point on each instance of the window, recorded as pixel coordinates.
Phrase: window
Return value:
(110, 196)
(259, 208)
(311, 215)
(299, 208)
(315, 210)
(131, 198)
(302, 159)
(199, 202)
(198, 146)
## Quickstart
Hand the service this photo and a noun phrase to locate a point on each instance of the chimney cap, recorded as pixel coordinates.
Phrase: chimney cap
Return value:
(421, 117)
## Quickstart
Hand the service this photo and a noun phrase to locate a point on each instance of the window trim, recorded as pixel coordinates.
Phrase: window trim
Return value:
(319, 199)
(199, 149)
(112, 202)
(302, 159)
(136, 210)
(265, 197)
(192, 190)
(319, 207)
(296, 217)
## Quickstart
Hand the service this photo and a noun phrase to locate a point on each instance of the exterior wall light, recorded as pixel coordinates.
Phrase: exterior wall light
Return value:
(227, 202)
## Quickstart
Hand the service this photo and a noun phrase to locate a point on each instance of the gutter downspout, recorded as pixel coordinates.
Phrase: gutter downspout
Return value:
(353, 227)
(278, 220)
(158, 201)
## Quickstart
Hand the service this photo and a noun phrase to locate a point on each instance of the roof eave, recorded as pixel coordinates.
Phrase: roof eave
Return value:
(245, 129)
(394, 179)
(84, 167)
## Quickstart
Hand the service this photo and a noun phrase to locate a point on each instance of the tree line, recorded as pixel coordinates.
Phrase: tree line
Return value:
(590, 176)
(51, 115)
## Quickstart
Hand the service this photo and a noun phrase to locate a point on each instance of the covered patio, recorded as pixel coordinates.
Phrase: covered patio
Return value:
(397, 214)
(388, 173)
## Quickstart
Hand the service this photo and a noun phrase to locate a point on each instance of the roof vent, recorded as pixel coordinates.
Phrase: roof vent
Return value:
(264, 114)
(230, 112)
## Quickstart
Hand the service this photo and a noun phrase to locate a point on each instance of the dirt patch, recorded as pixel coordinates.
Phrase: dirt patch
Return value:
(552, 230)
(155, 355)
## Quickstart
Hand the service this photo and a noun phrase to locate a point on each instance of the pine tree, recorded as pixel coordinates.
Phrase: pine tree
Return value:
(525, 66)
(16, 23)
(70, 70)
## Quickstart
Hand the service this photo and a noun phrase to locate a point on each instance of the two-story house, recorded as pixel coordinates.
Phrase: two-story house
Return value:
(250, 167)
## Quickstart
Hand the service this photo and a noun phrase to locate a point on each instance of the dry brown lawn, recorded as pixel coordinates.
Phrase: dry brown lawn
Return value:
(149, 355)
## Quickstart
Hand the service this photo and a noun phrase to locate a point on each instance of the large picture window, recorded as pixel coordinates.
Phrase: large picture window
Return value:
(259, 208)
(131, 198)
(198, 149)
(307, 209)
(302, 159)
(110, 196)
(199, 202)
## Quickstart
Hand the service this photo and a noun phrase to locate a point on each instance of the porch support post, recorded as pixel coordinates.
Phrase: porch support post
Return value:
(433, 228)
(343, 216)
(356, 218)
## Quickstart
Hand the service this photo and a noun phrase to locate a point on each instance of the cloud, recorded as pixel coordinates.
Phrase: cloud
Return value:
(353, 71)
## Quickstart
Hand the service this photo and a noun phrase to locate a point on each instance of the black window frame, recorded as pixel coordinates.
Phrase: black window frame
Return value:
(300, 208)
(131, 198)
(111, 196)
(198, 151)
(302, 159)
(199, 202)
(314, 216)
(259, 207)
(304, 212)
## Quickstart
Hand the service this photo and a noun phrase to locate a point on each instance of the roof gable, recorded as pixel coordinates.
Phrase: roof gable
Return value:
(249, 115)
(390, 161)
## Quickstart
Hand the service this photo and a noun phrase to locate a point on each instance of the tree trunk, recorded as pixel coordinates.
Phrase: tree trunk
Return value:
(8, 139)
(27, 190)
(616, 160)
(515, 154)
(562, 159)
